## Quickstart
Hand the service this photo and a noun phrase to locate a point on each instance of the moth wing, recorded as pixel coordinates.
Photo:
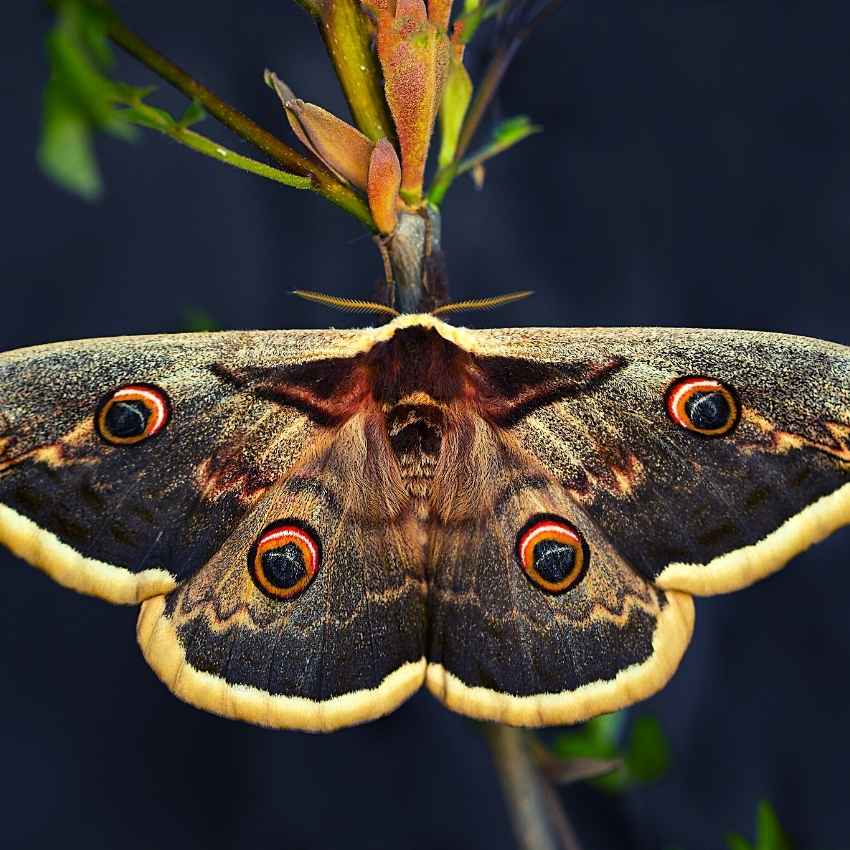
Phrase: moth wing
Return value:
(576, 426)
(348, 648)
(701, 515)
(502, 648)
(126, 522)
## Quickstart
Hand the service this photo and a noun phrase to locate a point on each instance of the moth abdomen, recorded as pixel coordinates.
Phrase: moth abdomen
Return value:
(415, 434)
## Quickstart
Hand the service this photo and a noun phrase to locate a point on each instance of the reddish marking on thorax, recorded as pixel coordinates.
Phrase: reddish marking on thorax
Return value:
(418, 361)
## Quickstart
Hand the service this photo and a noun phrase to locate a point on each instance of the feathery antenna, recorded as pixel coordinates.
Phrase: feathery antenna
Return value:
(349, 304)
(481, 303)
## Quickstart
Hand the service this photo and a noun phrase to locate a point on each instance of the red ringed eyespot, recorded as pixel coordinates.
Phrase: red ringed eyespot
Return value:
(552, 553)
(703, 406)
(132, 414)
(285, 559)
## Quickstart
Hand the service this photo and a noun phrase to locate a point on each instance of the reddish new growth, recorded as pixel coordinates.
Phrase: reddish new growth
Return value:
(414, 51)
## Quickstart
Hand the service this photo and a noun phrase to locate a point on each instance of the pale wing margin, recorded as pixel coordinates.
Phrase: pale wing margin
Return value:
(47, 399)
(795, 397)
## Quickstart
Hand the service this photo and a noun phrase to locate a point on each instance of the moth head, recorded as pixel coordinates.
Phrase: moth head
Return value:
(285, 558)
(703, 406)
(132, 414)
(552, 553)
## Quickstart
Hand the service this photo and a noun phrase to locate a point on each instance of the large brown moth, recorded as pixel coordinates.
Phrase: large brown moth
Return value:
(317, 523)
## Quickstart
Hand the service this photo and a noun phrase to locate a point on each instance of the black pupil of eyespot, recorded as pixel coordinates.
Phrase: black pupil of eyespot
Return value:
(707, 410)
(284, 566)
(127, 418)
(554, 560)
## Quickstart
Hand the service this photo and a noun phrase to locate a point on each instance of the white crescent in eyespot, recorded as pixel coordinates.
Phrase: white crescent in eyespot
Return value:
(158, 405)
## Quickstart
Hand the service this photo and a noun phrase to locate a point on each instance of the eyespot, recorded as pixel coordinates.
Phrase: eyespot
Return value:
(552, 553)
(703, 406)
(285, 559)
(132, 413)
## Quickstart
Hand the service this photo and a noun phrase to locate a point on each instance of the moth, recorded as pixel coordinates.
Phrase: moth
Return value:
(317, 523)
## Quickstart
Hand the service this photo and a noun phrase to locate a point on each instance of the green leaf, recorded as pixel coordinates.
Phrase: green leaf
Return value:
(198, 320)
(65, 151)
(79, 99)
(149, 116)
(507, 134)
(648, 753)
(598, 738)
(456, 97)
(769, 833)
(513, 130)
(645, 757)
(78, 68)
(194, 114)
(93, 31)
(470, 20)
(474, 14)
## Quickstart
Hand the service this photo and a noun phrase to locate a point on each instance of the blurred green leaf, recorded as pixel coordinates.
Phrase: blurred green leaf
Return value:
(769, 833)
(149, 116)
(198, 320)
(645, 756)
(513, 130)
(79, 98)
(598, 738)
(65, 152)
(474, 14)
(648, 755)
(507, 134)
(194, 114)
(93, 29)
(456, 97)
(79, 57)
(470, 20)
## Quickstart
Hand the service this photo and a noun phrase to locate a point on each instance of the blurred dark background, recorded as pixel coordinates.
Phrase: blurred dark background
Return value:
(695, 170)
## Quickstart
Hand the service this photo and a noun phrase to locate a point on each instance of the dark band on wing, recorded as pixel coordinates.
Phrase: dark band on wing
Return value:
(303, 484)
(510, 388)
(529, 482)
(420, 360)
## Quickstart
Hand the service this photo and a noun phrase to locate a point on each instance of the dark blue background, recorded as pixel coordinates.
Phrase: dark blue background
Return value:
(695, 170)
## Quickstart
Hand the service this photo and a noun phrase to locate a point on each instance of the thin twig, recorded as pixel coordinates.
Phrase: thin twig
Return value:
(485, 93)
(493, 75)
(150, 117)
(322, 181)
(538, 819)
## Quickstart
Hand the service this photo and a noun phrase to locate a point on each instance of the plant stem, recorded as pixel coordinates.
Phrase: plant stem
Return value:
(322, 181)
(485, 93)
(345, 30)
(442, 183)
(213, 149)
(412, 256)
(493, 76)
(538, 820)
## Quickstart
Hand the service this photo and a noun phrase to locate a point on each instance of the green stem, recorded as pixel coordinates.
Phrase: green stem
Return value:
(493, 76)
(345, 29)
(441, 183)
(484, 94)
(145, 116)
(321, 181)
